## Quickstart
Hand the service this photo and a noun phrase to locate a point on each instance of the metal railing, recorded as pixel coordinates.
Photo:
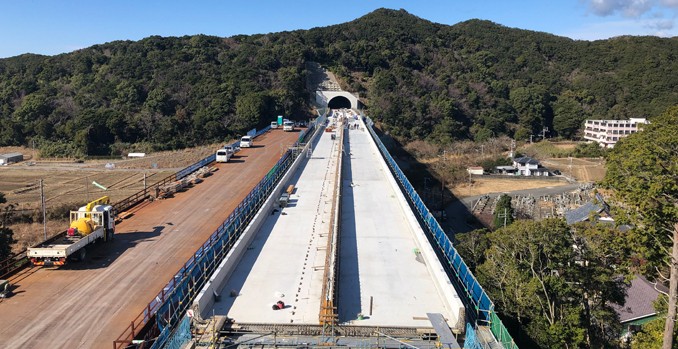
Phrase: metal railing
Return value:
(474, 292)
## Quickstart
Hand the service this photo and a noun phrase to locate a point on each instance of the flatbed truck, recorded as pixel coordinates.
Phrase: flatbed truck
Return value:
(89, 224)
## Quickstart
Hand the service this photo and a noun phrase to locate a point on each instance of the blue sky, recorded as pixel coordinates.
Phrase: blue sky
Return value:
(52, 27)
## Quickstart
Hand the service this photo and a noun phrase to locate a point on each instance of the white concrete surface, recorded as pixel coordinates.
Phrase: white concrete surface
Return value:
(388, 272)
(381, 262)
(285, 259)
(203, 303)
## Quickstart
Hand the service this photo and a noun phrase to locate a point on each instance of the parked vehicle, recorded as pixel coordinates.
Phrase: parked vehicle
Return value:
(89, 224)
(223, 155)
(5, 289)
(246, 142)
(288, 126)
(274, 124)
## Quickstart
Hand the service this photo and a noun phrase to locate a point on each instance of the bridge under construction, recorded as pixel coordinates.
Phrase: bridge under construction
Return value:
(332, 247)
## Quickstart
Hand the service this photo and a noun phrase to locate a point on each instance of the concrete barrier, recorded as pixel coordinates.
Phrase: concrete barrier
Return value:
(206, 297)
(443, 284)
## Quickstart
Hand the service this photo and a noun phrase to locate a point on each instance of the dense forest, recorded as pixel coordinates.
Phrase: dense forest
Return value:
(419, 79)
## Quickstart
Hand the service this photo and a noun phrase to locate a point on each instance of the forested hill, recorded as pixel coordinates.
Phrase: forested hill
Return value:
(420, 79)
(477, 78)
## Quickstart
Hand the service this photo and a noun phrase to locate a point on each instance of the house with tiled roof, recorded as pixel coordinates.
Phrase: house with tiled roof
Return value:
(638, 309)
(528, 166)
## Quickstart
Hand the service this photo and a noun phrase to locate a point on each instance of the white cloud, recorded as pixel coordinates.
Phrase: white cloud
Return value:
(661, 24)
(609, 29)
(645, 17)
(630, 8)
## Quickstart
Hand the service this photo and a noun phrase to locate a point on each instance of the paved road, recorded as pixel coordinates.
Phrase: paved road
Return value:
(89, 305)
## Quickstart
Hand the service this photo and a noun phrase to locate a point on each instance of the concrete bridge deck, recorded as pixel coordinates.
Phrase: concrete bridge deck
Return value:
(388, 276)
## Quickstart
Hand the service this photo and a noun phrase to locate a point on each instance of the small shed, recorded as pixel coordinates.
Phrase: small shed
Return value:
(6, 159)
(475, 170)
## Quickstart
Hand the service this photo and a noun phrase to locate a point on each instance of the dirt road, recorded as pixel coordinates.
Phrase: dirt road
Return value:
(88, 305)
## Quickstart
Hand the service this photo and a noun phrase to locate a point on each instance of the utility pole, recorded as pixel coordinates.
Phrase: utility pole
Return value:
(531, 139)
(543, 132)
(513, 146)
(87, 187)
(503, 215)
(44, 214)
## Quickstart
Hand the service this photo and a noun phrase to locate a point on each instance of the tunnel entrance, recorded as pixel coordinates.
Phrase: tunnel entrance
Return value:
(339, 102)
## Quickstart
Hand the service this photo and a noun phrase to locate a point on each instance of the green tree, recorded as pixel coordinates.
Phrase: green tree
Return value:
(6, 234)
(568, 116)
(249, 110)
(472, 246)
(643, 171)
(558, 282)
(530, 104)
(503, 212)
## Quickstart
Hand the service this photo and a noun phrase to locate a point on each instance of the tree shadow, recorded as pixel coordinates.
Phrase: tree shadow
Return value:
(349, 295)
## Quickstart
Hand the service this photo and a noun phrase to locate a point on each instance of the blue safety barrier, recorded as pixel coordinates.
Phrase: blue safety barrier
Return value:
(170, 305)
(181, 335)
(471, 339)
(211, 158)
(480, 300)
(190, 169)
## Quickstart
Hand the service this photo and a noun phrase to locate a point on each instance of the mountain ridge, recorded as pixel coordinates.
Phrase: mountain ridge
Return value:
(422, 80)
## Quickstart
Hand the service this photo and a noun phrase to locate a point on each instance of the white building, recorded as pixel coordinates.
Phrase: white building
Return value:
(475, 170)
(528, 166)
(608, 132)
(6, 159)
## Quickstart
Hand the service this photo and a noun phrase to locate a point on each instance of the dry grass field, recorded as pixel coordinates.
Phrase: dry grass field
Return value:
(481, 186)
(68, 184)
(583, 170)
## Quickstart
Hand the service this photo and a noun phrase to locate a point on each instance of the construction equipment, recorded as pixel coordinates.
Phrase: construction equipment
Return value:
(92, 222)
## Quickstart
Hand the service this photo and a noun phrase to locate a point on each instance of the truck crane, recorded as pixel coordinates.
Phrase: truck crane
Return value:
(90, 223)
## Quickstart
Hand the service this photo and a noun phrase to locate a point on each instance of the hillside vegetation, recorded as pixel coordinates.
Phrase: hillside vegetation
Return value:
(420, 80)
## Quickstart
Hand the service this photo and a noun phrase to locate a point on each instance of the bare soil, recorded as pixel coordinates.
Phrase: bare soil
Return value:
(481, 186)
(583, 169)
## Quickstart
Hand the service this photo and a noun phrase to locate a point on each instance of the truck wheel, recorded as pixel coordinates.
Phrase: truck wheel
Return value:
(82, 254)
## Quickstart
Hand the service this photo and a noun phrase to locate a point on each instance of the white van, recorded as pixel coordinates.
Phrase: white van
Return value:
(245, 142)
(274, 124)
(288, 126)
(223, 155)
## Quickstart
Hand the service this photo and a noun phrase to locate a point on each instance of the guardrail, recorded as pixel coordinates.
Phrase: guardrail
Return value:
(473, 290)
(154, 327)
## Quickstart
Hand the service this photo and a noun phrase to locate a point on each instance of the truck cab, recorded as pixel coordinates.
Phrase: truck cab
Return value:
(288, 126)
(274, 124)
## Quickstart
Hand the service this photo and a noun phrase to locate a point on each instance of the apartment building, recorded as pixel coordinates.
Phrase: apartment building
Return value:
(608, 132)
